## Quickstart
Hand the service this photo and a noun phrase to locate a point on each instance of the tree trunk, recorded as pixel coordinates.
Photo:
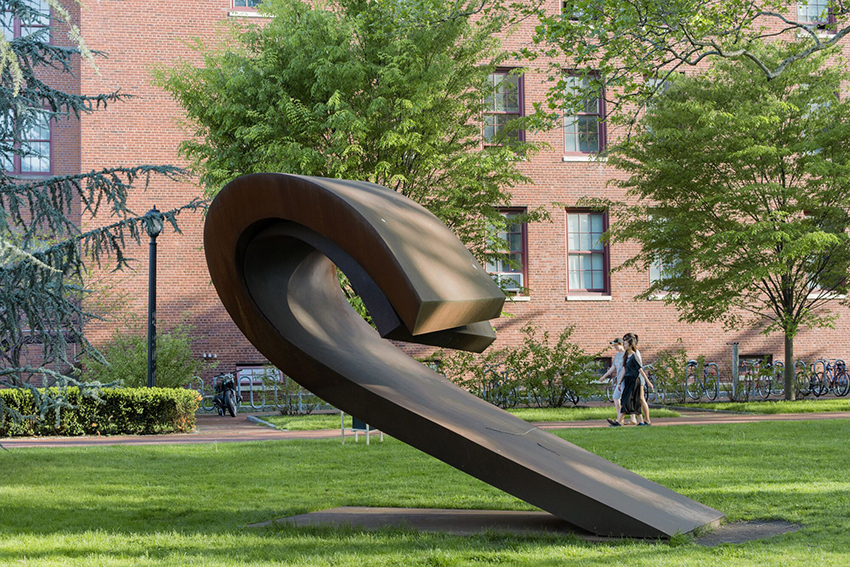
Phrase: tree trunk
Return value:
(790, 370)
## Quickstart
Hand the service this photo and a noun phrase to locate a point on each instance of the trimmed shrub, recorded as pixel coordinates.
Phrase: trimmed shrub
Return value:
(114, 411)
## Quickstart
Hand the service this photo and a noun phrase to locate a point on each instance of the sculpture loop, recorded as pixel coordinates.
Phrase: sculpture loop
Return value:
(273, 242)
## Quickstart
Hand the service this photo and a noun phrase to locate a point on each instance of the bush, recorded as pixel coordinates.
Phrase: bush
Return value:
(547, 375)
(671, 370)
(126, 360)
(111, 411)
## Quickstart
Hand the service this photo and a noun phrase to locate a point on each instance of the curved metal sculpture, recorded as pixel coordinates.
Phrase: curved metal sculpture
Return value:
(272, 242)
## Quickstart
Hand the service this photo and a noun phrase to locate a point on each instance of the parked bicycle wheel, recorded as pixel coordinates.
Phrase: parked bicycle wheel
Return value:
(231, 403)
(609, 389)
(819, 378)
(778, 379)
(818, 387)
(651, 394)
(842, 380)
(711, 383)
(802, 381)
(692, 381)
(766, 383)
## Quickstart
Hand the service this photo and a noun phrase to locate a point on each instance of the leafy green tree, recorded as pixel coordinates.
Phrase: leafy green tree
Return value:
(43, 252)
(619, 43)
(125, 359)
(387, 91)
(742, 190)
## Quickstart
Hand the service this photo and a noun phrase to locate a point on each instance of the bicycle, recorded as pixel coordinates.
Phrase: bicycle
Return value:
(749, 384)
(708, 385)
(802, 379)
(830, 377)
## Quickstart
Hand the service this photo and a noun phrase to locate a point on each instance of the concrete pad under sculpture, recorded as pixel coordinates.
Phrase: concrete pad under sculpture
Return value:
(273, 242)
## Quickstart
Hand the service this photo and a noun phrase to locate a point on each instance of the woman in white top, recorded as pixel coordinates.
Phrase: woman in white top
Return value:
(617, 370)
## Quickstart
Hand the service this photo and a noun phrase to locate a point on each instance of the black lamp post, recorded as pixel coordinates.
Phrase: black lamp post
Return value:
(153, 226)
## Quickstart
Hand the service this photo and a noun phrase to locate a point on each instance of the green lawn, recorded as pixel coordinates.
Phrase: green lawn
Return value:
(331, 421)
(188, 505)
(799, 406)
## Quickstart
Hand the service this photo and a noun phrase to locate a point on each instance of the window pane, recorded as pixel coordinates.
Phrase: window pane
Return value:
(37, 159)
(584, 223)
(813, 11)
(38, 129)
(587, 281)
(515, 241)
(591, 103)
(598, 261)
(596, 224)
(6, 162)
(517, 258)
(8, 23)
(655, 271)
(489, 127)
(598, 282)
(574, 266)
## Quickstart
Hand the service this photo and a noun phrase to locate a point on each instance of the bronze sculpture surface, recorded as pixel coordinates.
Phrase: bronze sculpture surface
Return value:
(272, 242)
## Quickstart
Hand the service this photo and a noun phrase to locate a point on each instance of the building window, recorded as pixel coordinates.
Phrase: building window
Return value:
(587, 261)
(584, 132)
(36, 147)
(815, 12)
(658, 270)
(503, 103)
(14, 28)
(246, 4)
(510, 270)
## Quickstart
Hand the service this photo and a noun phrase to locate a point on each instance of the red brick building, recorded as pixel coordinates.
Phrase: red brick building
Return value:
(568, 276)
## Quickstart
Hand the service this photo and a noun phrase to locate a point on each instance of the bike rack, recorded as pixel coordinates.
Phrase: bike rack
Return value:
(250, 380)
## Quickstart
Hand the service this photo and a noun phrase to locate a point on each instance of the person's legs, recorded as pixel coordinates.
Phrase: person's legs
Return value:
(644, 406)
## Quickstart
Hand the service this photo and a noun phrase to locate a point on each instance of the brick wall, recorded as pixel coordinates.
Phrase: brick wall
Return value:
(140, 35)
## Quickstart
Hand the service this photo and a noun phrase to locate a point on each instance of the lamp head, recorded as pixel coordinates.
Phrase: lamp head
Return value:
(153, 222)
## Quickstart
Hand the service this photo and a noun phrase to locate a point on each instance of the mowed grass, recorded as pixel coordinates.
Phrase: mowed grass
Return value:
(188, 504)
(778, 406)
(533, 415)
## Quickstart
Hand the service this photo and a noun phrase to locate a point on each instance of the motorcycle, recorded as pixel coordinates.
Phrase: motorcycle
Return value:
(227, 398)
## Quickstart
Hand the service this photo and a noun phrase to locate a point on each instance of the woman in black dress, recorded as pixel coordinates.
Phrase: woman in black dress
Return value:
(630, 401)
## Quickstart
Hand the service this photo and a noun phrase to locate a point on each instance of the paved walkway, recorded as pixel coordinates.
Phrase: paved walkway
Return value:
(215, 429)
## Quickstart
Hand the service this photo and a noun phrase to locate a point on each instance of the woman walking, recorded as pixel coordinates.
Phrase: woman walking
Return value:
(630, 400)
(617, 370)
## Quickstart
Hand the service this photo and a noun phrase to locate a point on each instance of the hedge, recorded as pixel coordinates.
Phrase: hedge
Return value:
(120, 411)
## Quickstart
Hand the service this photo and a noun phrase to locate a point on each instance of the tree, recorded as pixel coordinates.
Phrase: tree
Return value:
(387, 91)
(43, 252)
(617, 44)
(743, 193)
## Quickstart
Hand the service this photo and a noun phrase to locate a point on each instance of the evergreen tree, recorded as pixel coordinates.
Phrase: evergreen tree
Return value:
(43, 251)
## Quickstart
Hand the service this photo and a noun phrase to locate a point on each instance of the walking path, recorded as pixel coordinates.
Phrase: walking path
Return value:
(215, 429)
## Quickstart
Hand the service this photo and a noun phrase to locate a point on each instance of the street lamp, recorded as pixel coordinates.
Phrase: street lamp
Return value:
(153, 226)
